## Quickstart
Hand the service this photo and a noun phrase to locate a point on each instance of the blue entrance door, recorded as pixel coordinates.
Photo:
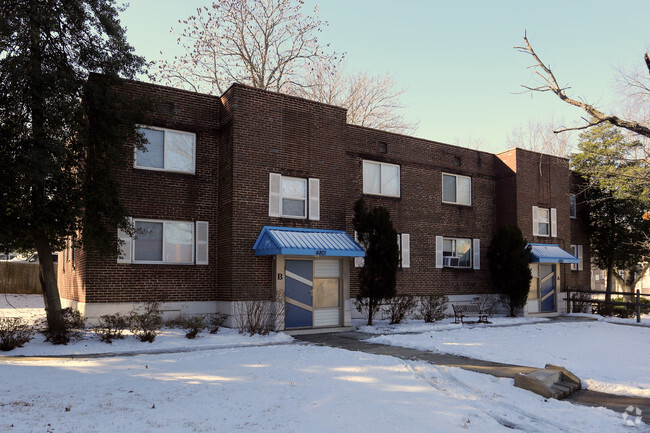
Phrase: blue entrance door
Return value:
(547, 288)
(298, 289)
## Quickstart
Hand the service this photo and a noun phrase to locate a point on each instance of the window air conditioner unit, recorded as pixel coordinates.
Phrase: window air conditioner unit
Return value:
(451, 261)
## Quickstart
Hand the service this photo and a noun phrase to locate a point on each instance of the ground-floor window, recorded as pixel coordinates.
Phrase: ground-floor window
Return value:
(162, 241)
(456, 252)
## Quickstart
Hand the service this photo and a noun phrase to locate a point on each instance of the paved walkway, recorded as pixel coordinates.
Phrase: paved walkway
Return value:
(352, 340)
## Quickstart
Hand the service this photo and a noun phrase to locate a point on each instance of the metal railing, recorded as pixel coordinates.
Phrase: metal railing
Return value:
(635, 303)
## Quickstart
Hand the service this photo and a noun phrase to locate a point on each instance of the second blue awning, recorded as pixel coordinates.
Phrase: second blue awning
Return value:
(550, 253)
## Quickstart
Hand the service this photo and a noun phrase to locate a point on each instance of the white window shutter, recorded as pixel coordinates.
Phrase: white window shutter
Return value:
(275, 199)
(476, 252)
(201, 242)
(439, 261)
(535, 221)
(580, 262)
(553, 222)
(125, 248)
(358, 261)
(405, 250)
(314, 199)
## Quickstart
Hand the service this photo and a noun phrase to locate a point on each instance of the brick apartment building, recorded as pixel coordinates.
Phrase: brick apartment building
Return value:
(250, 196)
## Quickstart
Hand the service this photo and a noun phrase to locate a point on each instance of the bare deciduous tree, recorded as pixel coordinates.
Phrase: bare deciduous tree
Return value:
(372, 101)
(626, 170)
(550, 84)
(261, 43)
(270, 44)
(470, 141)
(634, 88)
(539, 136)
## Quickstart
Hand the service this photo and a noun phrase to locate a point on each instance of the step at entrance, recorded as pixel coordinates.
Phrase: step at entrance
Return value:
(549, 382)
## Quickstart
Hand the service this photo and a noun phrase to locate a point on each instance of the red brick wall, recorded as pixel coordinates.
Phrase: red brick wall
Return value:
(580, 236)
(274, 133)
(70, 275)
(505, 166)
(545, 181)
(420, 211)
(165, 196)
(248, 133)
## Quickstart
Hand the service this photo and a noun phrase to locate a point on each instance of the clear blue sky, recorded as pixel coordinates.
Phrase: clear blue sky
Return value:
(456, 58)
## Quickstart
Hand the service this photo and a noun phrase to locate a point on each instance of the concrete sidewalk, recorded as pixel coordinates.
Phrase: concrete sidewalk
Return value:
(354, 341)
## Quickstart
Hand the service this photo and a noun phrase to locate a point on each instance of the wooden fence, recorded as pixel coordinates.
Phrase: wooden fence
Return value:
(634, 303)
(20, 277)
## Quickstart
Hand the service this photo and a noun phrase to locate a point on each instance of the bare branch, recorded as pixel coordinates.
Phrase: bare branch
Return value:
(579, 128)
(551, 84)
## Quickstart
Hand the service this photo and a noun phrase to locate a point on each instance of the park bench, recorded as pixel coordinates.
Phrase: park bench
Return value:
(463, 311)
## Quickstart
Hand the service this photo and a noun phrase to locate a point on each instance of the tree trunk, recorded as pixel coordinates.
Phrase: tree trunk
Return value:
(37, 106)
(611, 282)
(55, 324)
(371, 309)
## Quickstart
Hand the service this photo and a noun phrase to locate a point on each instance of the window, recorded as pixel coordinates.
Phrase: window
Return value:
(294, 197)
(166, 150)
(381, 179)
(576, 250)
(458, 252)
(573, 211)
(288, 197)
(158, 241)
(456, 189)
(544, 221)
(163, 241)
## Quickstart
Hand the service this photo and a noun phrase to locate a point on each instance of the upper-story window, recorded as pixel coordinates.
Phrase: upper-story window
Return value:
(294, 197)
(573, 209)
(293, 193)
(544, 221)
(381, 178)
(456, 189)
(166, 150)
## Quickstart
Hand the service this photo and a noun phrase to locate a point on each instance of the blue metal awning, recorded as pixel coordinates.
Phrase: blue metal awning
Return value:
(550, 253)
(306, 242)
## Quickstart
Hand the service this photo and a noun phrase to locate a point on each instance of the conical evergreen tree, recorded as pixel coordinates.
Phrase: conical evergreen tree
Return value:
(378, 276)
(508, 259)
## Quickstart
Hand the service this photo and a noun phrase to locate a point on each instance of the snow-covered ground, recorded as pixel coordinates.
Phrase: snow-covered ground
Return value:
(232, 385)
(607, 356)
